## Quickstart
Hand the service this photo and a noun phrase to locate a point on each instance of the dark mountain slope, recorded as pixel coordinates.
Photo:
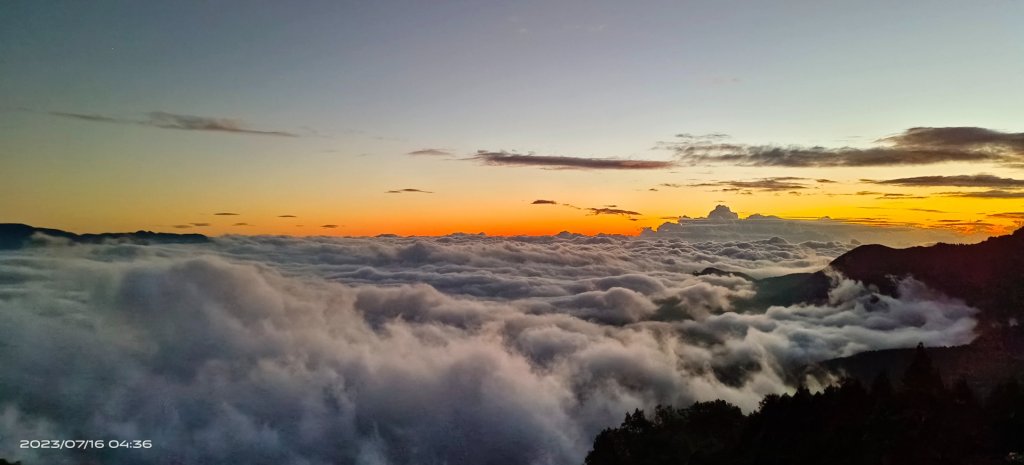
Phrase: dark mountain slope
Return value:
(16, 236)
(988, 275)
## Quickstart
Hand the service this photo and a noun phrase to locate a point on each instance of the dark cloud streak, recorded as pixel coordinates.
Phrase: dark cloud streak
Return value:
(989, 194)
(915, 146)
(766, 184)
(975, 180)
(431, 152)
(503, 158)
(612, 211)
(166, 120)
(408, 190)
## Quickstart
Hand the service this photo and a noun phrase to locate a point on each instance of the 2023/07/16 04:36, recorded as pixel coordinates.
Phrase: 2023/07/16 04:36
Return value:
(85, 444)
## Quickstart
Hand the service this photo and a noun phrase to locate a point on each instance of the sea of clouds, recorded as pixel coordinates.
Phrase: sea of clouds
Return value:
(451, 350)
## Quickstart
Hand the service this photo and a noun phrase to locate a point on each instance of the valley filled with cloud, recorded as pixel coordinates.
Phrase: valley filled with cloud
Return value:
(460, 349)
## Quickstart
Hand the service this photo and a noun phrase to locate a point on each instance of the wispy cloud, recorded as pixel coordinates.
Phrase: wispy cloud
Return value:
(329, 226)
(989, 194)
(612, 211)
(431, 152)
(226, 214)
(767, 184)
(287, 216)
(503, 158)
(915, 146)
(973, 180)
(166, 120)
(407, 190)
(89, 117)
(1008, 215)
(604, 210)
(900, 196)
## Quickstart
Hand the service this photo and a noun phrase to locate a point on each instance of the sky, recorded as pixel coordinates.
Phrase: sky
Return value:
(427, 118)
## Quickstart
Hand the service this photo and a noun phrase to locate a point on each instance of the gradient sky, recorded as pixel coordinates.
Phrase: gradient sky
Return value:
(125, 115)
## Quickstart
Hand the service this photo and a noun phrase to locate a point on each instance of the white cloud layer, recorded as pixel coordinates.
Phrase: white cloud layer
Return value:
(458, 350)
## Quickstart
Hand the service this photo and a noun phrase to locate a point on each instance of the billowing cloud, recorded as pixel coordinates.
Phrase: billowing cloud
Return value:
(972, 180)
(722, 212)
(915, 146)
(431, 152)
(503, 158)
(408, 190)
(461, 349)
(165, 120)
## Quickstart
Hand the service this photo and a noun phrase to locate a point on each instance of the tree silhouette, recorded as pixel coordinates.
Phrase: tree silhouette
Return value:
(918, 421)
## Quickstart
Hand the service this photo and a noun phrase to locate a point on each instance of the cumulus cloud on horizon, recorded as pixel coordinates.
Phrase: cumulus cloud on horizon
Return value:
(722, 224)
(458, 349)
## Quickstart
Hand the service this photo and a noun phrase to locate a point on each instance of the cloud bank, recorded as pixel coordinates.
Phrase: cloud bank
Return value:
(461, 349)
(722, 224)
